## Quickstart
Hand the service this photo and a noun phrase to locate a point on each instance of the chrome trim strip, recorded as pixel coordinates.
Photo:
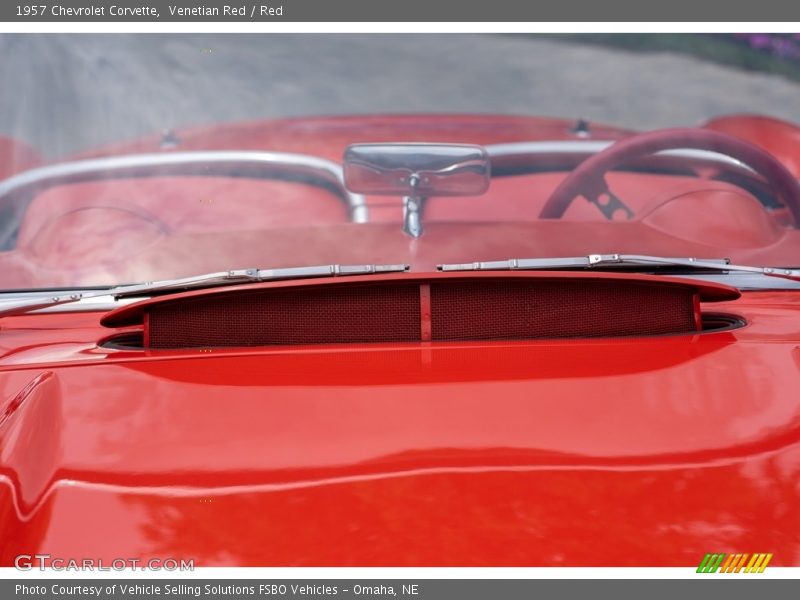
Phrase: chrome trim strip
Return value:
(740, 280)
(612, 261)
(594, 146)
(16, 306)
(105, 303)
(202, 163)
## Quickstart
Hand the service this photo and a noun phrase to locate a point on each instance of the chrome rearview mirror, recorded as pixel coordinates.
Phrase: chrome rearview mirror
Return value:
(416, 169)
(416, 172)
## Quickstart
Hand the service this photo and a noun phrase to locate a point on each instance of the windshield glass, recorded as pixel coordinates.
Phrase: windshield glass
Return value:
(133, 158)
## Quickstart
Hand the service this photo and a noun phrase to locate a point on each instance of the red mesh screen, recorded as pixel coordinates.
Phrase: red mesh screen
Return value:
(508, 310)
(312, 316)
(390, 312)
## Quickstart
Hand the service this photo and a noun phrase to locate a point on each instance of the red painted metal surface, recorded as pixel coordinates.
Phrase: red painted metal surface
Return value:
(643, 452)
(601, 452)
(779, 137)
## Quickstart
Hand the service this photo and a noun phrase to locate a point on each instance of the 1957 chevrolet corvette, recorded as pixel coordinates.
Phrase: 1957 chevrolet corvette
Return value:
(404, 340)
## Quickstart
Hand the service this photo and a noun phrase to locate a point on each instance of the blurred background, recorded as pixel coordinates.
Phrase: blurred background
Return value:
(65, 93)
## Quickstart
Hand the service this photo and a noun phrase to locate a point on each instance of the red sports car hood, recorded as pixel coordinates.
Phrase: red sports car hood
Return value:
(581, 452)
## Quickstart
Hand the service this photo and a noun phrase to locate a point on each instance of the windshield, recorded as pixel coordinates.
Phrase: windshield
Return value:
(133, 158)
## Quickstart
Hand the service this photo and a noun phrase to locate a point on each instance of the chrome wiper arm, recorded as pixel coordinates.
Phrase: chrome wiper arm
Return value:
(20, 306)
(221, 278)
(251, 276)
(612, 261)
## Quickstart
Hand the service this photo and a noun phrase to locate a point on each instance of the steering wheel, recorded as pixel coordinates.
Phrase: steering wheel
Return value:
(588, 179)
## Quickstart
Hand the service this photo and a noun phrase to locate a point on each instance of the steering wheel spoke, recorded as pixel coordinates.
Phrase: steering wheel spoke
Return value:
(607, 202)
(612, 206)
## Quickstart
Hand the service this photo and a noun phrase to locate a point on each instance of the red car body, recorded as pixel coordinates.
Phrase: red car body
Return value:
(632, 451)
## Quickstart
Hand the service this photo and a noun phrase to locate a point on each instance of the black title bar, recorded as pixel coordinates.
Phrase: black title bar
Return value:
(399, 11)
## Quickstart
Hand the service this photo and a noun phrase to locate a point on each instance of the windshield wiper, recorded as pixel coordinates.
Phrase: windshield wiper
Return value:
(221, 278)
(620, 261)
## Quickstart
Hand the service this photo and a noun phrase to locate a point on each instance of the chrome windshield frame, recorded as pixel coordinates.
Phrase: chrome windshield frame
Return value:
(594, 146)
(255, 164)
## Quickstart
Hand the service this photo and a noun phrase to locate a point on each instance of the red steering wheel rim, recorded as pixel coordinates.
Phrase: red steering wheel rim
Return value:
(588, 178)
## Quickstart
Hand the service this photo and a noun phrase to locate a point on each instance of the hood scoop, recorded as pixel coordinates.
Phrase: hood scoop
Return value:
(436, 307)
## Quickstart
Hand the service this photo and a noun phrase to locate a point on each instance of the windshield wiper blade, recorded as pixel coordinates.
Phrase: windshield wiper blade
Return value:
(251, 276)
(206, 280)
(619, 261)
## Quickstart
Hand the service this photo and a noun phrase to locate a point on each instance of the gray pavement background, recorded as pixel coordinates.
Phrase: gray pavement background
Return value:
(68, 92)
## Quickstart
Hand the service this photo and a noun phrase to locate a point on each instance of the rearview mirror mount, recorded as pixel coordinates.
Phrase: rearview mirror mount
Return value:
(416, 171)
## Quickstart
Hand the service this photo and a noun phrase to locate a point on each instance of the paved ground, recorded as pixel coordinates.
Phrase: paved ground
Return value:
(65, 92)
